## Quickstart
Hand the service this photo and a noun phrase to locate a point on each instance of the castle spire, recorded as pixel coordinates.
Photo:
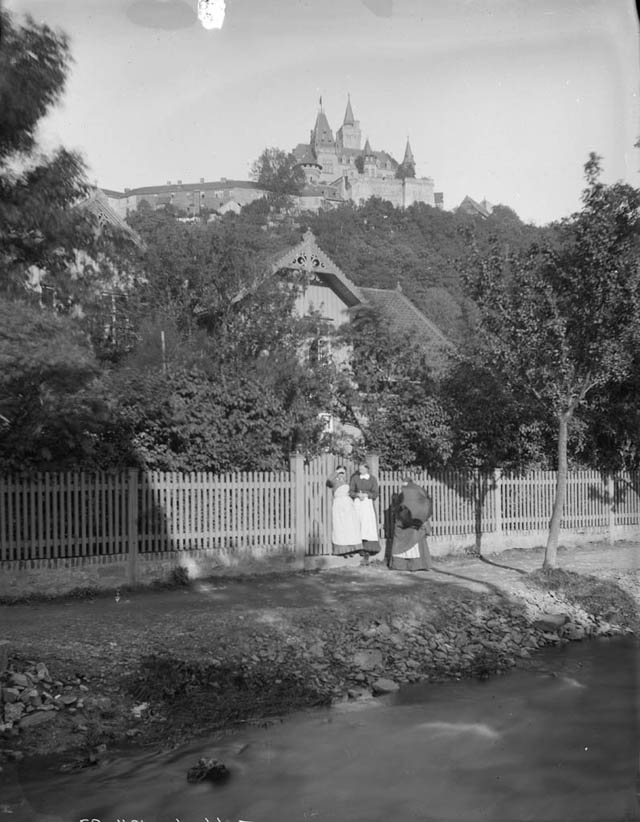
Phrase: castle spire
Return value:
(349, 119)
(367, 148)
(321, 133)
(408, 155)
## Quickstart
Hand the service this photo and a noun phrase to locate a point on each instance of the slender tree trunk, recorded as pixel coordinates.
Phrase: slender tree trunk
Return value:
(561, 492)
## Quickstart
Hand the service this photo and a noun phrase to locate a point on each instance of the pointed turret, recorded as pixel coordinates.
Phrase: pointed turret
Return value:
(408, 155)
(349, 119)
(349, 134)
(367, 149)
(321, 134)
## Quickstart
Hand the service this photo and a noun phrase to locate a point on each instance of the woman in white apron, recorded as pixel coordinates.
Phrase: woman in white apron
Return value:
(345, 523)
(363, 489)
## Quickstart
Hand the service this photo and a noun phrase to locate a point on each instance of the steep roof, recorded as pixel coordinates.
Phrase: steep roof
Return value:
(407, 317)
(349, 119)
(408, 155)
(470, 206)
(98, 205)
(367, 148)
(309, 257)
(304, 155)
(322, 134)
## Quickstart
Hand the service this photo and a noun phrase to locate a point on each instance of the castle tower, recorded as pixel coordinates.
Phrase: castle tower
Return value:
(408, 155)
(369, 158)
(349, 134)
(321, 134)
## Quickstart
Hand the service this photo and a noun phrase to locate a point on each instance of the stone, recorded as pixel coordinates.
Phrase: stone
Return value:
(359, 693)
(35, 719)
(10, 694)
(42, 672)
(573, 631)
(384, 686)
(366, 660)
(550, 622)
(209, 769)
(68, 699)
(13, 711)
(20, 680)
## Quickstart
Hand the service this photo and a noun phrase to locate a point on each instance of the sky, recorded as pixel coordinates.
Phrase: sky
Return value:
(501, 99)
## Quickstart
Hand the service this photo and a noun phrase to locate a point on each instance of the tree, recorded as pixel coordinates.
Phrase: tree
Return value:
(44, 237)
(48, 415)
(279, 173)
(560, 323)
(405, 170)
(388, 393)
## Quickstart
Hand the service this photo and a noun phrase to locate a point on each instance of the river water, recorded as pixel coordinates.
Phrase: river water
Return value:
(557, 742)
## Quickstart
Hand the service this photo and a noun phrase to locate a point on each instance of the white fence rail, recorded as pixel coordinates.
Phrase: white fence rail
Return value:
(71, 515)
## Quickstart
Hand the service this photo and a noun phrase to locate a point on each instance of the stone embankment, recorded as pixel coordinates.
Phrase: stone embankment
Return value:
(247, 668)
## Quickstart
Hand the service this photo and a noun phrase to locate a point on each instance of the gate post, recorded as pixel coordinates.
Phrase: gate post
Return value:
(132, 525)
(497, 500)
(612, 509)
(298, 502)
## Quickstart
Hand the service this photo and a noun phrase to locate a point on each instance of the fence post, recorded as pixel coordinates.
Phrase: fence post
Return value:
(132, 525)
(298, 502)
(497, 501)
(612, 508)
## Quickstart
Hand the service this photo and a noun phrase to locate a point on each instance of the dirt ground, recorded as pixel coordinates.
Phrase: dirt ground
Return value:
(92, 643)
(79, 628)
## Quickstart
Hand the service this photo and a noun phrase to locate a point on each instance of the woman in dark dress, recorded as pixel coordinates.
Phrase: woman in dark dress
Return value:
(413, 509)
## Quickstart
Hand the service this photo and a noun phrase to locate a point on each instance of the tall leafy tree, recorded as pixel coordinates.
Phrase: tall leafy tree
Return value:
(560, 323)
(44, 237)
(279, 173)
(387, 391)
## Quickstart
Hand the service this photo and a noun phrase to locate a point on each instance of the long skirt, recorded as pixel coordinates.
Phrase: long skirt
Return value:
(410, 551)
(368, 525)
(345, 530)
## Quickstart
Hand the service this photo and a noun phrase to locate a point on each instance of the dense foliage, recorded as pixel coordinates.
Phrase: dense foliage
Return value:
(561, 323)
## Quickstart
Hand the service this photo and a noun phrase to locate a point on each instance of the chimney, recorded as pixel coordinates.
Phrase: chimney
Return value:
(127, 190)
(179, 182)
(202, 179)
(223, 179)
(438, 198)
(168, 182)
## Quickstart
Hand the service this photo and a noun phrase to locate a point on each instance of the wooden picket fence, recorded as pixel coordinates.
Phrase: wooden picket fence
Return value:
(73, 515)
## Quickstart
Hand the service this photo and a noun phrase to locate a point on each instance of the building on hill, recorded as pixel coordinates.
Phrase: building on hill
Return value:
(475, 209)
(356, 172)
(336, 169)
(190, 198)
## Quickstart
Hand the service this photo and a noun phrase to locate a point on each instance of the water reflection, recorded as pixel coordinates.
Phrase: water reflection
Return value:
(555, 743)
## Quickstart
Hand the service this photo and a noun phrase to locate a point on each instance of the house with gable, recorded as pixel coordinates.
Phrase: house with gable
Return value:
(326, 290)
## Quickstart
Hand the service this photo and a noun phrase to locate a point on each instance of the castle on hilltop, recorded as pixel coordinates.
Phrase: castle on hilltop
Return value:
(336, 169)
(340, 168)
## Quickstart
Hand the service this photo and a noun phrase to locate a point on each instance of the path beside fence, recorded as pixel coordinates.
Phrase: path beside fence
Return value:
(93, 529)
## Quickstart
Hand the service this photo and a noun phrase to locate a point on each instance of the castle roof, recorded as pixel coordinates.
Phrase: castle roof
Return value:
(408, 155)
(367, 148)
(322, 134)
(304, 155)
(349, 119)
(170, 188)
